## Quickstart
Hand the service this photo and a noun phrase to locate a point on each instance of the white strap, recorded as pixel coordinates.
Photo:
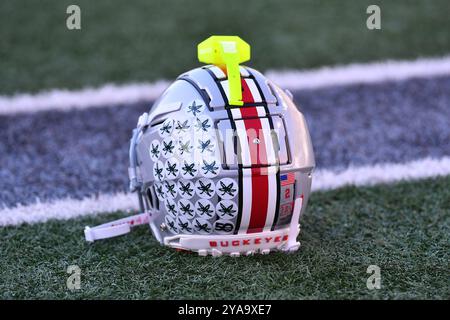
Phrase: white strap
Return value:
(117, 227)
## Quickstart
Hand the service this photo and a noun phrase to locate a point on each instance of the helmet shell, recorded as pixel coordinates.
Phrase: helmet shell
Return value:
(211, 169)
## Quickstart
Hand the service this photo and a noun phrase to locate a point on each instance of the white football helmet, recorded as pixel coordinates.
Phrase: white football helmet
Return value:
(217, 172)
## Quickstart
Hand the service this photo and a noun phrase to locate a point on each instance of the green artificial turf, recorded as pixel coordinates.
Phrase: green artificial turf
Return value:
(123, 41)
(403, 228)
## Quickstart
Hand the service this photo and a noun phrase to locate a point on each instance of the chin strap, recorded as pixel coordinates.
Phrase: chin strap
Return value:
(118, 227)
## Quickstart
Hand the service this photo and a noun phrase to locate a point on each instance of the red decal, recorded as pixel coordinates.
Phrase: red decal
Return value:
(286, 209)
(287, 179)
(248, 241)
(287, 193)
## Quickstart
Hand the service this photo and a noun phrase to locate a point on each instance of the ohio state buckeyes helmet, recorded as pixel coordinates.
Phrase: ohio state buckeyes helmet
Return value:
(222, 163)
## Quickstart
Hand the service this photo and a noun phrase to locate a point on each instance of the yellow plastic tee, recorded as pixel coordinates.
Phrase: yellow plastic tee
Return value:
(226, 52)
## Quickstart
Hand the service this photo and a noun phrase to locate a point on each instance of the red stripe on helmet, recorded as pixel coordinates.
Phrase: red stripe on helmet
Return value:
(247, 96)
(260, 201)
(258, 155)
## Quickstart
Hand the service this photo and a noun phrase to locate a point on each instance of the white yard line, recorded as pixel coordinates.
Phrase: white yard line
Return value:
(67, 208)
(369, 73)
(322, 180)
(381, 173)
(105, 96)
(112, 94)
